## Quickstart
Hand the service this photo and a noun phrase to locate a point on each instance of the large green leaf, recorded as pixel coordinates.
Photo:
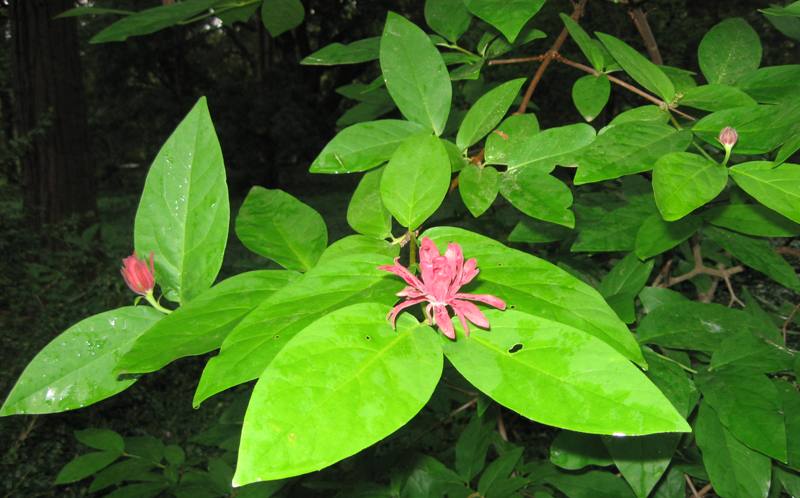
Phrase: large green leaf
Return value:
(279, 16)
(752, 219)
(628, 148)
(347, 373)
(621, 285)
(735, 470)
(151, 20)
(639, 68)
(201, 326)
(478, 187)
(449, 18)
(729, 50)
(788, 149)
(415, 74)
(183, 214)
(78, 367)
(591, 50)
(744, 350)
(757, 254)
(761, 128)
(508, 16)
(282, 228)
(366, 213)
(561, 376)
(538, 195)
(472, 447)
(611, 227)
(576, 450)
(363, 146)
(790, 398)
(504, 145)
(749, 406)
(416, 180)
(543, 151)
(682, 182)
(86, 465)
(590, 95)
(352, 53)
(777, 188)
(487, 112)
(534, 286)
(772, 84)
(656, 236)
(642, 460)
(346, 274)
(715, 97)
(672, 380)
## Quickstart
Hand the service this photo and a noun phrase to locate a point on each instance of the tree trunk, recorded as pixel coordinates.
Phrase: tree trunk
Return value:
(58, 175)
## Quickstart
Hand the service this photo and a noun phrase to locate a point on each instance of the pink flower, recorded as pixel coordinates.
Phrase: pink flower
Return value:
(728, 137)
(441, 278)
(138, 275)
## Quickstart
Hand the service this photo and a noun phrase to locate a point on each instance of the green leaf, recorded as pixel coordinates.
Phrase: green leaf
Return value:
(715, 97)
(693, 325)
(238, 14)
(508, 16)
(348, 373)
(627, 149)
(174, 454)
(575, 451)
(777, 188)
(559, 371)
(543, 151)
(363, 146)
(605, 230)
(478, 187)
(682, 79)
(735, 470)
(592, 484)
(139, 490)
(657, 236)
(279, 16)
(682, 182)
(101, 439)
(653, 297)
(788, 149)
(85, 465)
(638, 67)
(355, 52)
(621, 285)
(151, 20)
(504, 145)
(449, 18)
(535, 286)
(672, 380)
(790, 399)
(642, 113)
(773, 84)
(472, 446)
(146, 447)
(77, 368)
(590, 95)
(730, 50)
(416, 180)
(415, 74)
(744, 350)
(130, 469)
(790, 481)
(761, 128)
(497, 473)
(202, 325)
(538, 195)
(642, 460)
(183, 214)
(752, 219)
(757, 254)
(366, 213)
(346, 274)
(487, 112)
(590, 50)
(537, 232)
(749, 406)
(91, 11)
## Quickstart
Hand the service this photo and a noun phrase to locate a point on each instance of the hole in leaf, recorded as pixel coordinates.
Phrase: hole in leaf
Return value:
(277, 337)
(368, 338)
(515, 348)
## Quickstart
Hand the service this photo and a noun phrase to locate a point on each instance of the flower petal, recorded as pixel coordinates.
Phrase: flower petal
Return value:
(461, 317)
(443, 321)
(392, 316)
(468, 272)
(410, 292)
(471, 312)
(402, 272)
(483, 298)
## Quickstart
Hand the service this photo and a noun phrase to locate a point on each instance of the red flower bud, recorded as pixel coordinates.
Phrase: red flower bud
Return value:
(138, 275)
(728, 137)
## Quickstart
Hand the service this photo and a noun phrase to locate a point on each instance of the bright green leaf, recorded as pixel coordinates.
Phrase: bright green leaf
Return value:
(508, 16)
(773, 84)
(761, 128)
(752, 219)
(715, 97)
(730, 50)
(487, 113)
(538, 195)
(642, 113)
(682, 182)
(504, 145)
(352, 53)
(590, 50)
(777, 188)
(788, 149)
(449, 18)
(478, 188)
(657, 236)
(639, 68)
(543, 151)
(590, 95)
(366, 213)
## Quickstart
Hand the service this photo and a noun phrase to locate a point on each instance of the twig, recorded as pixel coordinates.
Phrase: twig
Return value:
(701, 269)
(691, 486)
(704, 490)
(662, 274)
(548, 57)
(788, 321)
(517, 60)
(789, 251)
(463, 407)
(639, 18)
(501, 427)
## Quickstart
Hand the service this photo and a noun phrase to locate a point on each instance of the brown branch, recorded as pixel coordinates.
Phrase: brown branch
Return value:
(517, 60)
(639, 19)
(691, 486)
(577, 12)
(501, 426)
(789, 251)
(700, 269)
(704, 490)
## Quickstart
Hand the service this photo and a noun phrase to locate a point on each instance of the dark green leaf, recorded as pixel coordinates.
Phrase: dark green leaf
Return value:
(101, 439)
(130, 469)
(590, 95)
(639, 68)
(653, 297)
(279, 16)
(790, 399)
(730, 50)
(590, 50)
(592, 484)
(91, 11)
(508, 16)
(151, 20)
(238, 14)
(335, 54)
(575, 450)
(744, 350)
(85, 465)
(146, 447)
(788, 149)
(538, 195)
(472, 446)
(657, 236)
(772, 84)
(672, 380)
(537, 232)
(141, 490)
(478, 187)
(621, 285)
(761, 128)
(492, 479)
(715, 97)
(752, 219)
(601, 229)
(642, 460)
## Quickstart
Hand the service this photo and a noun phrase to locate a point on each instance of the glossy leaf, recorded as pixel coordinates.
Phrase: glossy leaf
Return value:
(730, 50)
(347, 373)
(627, 149)
(508, 16)
(752, 219)
(575, 451)
(346, 274)
(538, 195)
(282, 228)
(151, 20)
(535, 286)
(416, 180)
(201, 326)
(744, 350)
(415, 74)
(335, 54)
(735, 470)
(562, 376)
(487, 112)
(777, 188)
(504, 145)
(366, 213)
(543, 151)
(683, 181)
(478, 188)
(772, 84)
(78, 367)
(590, 50)
(449, 18)
(639, 68)
(183, 214)
(657, 236)
(761, 128)
(279, 16)
(715, 97)
(590, 95)
(86, 465)
(642, 460)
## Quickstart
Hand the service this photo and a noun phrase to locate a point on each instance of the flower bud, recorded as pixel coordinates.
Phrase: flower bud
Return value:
(138, 275)
(728, 137)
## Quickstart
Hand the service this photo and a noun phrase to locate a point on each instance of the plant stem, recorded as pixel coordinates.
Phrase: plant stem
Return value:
(727, 156)
(690, 370)
(155, 304)
(704, 153)
(412, 249)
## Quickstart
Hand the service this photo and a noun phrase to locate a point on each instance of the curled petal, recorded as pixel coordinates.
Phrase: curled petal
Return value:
(455, 261)
(392, 316)
(483, 298)
(461, 317)
(442, 319)
(410, 292)
(471, 312)
(402, 272)
(428, 252)
(468, 272)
